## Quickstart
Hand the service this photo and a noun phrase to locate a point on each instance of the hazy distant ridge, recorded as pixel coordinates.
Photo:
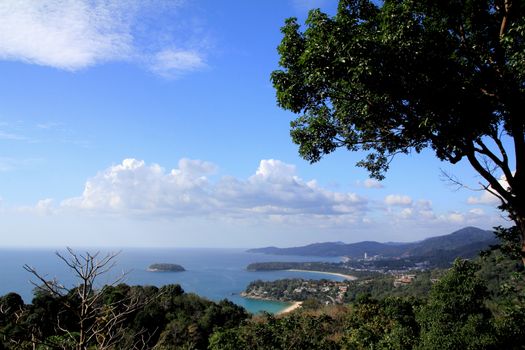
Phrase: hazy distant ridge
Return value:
(466, 241)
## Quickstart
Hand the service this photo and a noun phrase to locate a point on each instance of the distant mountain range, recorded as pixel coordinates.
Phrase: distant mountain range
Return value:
(465, 243)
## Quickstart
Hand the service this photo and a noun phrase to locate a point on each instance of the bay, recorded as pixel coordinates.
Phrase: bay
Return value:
(212, 273)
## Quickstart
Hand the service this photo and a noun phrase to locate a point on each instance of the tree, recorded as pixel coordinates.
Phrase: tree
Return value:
(455, 315)
(409, 75)
(11, 310)
(96, 321)
(387, 323)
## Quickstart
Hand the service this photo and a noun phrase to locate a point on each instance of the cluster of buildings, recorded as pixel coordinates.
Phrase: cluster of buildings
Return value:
(403, 280)
(325, 291)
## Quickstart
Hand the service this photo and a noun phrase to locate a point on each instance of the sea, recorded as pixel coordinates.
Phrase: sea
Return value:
(212, 273)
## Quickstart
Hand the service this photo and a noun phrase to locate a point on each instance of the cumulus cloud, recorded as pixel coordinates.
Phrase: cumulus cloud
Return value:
(421, 214)
(475, 217)
(407, 213)
(135, 187)
(406, 209)
(424, 209)
(398, 200)
(273, 196)
(276, 170)
(485, 198)
(273, 191)
(370, 183)
(455, 217)
(43, 207)
(75, 34)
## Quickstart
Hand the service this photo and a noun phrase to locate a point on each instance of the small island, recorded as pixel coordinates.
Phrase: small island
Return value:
(165, 268)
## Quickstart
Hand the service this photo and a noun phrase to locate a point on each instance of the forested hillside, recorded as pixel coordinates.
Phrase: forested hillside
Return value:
(473, 305)
(465, 243)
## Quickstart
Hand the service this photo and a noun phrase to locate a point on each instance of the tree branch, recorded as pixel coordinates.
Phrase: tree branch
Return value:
(493, 182)
(501, 163)
(503, 26)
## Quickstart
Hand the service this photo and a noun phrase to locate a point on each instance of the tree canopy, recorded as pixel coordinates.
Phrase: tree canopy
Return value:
(408, 75)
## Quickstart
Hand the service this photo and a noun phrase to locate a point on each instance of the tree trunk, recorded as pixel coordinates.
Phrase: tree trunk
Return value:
(517, 214)
(520, 222)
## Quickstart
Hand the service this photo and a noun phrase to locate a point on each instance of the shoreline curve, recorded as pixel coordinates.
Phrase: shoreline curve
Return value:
(347, 277)
(295, 305)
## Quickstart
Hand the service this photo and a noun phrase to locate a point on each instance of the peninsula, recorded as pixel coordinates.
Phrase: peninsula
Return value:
(336, 269)
(165, 268)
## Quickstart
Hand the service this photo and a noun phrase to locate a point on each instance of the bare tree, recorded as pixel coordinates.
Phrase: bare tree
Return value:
(98, 322)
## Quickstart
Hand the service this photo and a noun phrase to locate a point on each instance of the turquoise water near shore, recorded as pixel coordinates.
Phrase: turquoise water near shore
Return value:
(212, 273)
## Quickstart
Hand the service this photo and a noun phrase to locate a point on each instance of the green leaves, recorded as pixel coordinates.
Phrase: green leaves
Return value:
(407, 75)
(412, 74)
(455, 316)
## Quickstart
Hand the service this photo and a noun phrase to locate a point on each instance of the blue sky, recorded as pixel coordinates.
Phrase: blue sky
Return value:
(133, 123)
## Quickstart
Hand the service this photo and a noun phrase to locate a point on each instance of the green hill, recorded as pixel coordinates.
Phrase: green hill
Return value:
(466, 242)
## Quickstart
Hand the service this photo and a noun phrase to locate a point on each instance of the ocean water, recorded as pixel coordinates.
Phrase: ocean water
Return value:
(212, 273)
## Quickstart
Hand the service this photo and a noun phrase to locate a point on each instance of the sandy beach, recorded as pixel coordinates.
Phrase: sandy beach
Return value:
(295, 305)
(348, 277)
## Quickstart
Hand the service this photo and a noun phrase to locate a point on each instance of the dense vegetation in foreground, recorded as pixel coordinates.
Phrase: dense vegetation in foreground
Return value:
(478, 304)
(474, 305)
(160, 318)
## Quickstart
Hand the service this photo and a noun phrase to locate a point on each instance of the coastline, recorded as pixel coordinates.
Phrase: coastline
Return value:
(348, 277)
(295, 305)
(292, 305)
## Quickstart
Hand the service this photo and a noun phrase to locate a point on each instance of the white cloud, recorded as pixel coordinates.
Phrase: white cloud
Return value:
(407, 213)
(399, 200)
(64, 34)
(171, 63)
(274, 193)
(487, 198)
(420, 210)
(272, 201)
(455, 217)
(275, 183)
(43, 207)
(133, 187)
(75, 34)
(274, 170)
(272, 205)
(477, 211)
(421, 215)
(370, 183)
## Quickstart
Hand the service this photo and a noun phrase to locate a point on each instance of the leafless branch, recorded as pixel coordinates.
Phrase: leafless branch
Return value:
(98, 322)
